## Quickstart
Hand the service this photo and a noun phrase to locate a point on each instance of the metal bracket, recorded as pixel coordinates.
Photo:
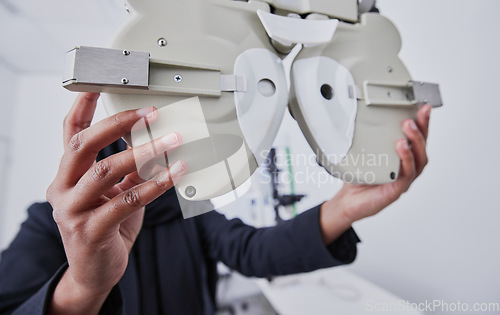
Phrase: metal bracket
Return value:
(106, 67)
(401, 94)
(91, 69)
(427, 93)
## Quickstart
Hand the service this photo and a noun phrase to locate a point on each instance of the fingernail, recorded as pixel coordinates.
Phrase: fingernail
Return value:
(177, 169)
(405, 145)
(170, 139)
(143, 112)
(428, 111)
(413, 125)
(92, 96)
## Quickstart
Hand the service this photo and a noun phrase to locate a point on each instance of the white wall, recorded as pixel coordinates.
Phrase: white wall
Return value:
(8, 84)
(440, 240)
(33, 103)
(36, 145)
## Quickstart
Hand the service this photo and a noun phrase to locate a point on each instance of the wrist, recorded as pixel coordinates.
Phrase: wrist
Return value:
(334, 219)
(342, 206)
(70, 297)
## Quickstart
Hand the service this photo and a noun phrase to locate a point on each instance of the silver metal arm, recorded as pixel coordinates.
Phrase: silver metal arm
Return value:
(102, 70)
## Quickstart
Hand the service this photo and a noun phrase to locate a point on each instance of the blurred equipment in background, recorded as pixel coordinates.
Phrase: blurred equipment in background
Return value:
(281, 200)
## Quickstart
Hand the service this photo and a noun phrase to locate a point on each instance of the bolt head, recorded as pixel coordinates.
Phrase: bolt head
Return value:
(125, 81)
(178, 78)
(190, 191)
(126, 52)
(162, 42)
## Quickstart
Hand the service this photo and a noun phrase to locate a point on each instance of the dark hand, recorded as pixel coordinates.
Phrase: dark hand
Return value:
(354, 202)
(99, 218)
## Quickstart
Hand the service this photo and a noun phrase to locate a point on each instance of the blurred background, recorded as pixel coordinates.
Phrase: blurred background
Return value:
(438, 242)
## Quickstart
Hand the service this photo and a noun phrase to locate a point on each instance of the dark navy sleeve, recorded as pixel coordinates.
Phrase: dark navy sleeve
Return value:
(293, 246)
(37, 304)
(30, 268)
(30, 262)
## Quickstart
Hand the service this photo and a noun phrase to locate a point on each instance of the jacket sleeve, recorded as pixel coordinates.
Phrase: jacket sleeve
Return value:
(29, 265)
(30, 268)
(293, 246)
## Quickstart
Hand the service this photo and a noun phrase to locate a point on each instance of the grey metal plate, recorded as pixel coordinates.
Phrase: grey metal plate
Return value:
(101, 66)
(427, 93)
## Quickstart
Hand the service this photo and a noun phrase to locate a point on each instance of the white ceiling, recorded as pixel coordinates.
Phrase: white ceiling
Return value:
(35, 34)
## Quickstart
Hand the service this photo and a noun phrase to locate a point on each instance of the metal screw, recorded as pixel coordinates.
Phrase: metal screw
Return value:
(178, 78)
(162, 42)
(125, 81)
(190, 191)
(126, 52)
(389, 69)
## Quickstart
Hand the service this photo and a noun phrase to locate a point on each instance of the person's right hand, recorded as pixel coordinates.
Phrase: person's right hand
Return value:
(98, 218)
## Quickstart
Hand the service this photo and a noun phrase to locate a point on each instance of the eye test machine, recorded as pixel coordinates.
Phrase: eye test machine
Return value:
(222, 73)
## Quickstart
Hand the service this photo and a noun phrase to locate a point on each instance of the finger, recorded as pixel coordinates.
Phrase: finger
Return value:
(80, 115)
(127, 203)
(104, 174)
(128, 182)
(418, 144)
(84, 146)
(423, 117)
(407, 171)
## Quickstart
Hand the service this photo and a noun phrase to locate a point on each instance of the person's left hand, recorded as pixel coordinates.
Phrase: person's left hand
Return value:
(355, 202)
